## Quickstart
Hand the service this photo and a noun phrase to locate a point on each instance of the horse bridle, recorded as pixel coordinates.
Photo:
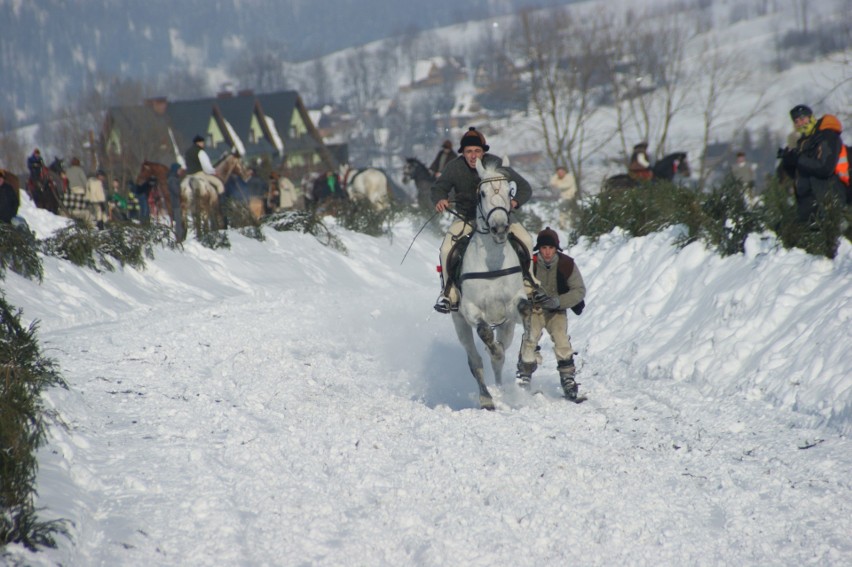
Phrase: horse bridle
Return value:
(479, 211)
(495, 273)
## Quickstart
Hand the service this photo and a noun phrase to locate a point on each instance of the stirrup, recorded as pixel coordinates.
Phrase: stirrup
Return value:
(443, 305)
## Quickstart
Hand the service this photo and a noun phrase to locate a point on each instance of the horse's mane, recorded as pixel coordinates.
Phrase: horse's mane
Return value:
(415, 161)
(494, 170)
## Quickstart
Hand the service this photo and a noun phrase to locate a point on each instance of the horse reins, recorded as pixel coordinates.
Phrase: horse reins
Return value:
(496, 273)
(484, 217)
(451, 211)
(489, 275)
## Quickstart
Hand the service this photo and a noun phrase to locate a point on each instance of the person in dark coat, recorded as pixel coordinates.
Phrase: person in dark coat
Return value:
(328, 187)
(176, 173)
(9, 200)
(813, 162)
(459, 179)
(445, 155)
(35, 165)
(142, 192)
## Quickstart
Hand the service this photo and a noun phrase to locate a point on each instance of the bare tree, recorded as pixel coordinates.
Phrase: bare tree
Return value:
(362, 76)
(564, 58)
(619, 65)
(719, 77)
(659, 46)
(259, 67)
(74, 131)
(800, 9)
(182, 84)
(12, 149)
(321, 83)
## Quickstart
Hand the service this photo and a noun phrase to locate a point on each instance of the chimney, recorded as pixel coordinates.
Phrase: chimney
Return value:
(157, 104)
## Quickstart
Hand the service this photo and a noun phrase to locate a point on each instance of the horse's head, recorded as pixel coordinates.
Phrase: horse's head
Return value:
(671, 165)
(146, 170)
(229, 165)
(56, 166)
(494, 194)
(411, 169)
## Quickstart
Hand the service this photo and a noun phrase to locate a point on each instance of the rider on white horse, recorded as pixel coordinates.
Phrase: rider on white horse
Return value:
(198, 164)
(460, 175)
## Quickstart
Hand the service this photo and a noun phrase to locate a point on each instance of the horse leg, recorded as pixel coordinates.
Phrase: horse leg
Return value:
(505, 336)
(216, 219)
(495, 349)
(474, 361)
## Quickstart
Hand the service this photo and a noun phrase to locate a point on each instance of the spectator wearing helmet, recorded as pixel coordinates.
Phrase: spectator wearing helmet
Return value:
(459, 178)
(813, 163)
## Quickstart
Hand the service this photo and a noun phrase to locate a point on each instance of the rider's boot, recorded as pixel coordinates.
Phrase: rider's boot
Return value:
(448, 300)
(442, 305)
(566, 378)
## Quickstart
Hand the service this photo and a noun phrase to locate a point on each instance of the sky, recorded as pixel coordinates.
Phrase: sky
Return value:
(286, 403)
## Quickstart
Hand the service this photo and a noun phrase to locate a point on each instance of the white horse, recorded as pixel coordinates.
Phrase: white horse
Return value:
(368, 183)
(203, 197)
(491, 282)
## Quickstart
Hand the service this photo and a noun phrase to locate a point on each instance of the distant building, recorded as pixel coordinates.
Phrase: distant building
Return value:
(276, 126)
(433, 72)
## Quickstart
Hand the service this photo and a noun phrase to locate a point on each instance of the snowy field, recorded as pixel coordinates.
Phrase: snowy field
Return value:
(282, 403)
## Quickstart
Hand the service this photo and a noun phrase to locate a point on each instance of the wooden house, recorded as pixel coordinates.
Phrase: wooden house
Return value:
(274, 126)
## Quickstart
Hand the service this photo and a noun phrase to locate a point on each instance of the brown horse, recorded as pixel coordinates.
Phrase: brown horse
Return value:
(45, 191)
(158, 198)
(11, 179)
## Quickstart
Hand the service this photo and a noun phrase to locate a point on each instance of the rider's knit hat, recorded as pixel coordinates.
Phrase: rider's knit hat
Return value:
(547, 237)
(473, 138)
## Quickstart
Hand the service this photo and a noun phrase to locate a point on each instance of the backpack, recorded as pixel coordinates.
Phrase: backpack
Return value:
(842, 167)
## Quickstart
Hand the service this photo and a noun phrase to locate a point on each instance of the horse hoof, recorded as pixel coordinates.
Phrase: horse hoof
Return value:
(486, 403)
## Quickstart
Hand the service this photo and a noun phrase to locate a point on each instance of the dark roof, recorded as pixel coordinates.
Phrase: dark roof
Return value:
(188, 118)
(238, 112)
(279, 106)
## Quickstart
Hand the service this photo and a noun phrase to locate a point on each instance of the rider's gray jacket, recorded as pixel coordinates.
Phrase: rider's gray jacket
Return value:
(460, 180)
